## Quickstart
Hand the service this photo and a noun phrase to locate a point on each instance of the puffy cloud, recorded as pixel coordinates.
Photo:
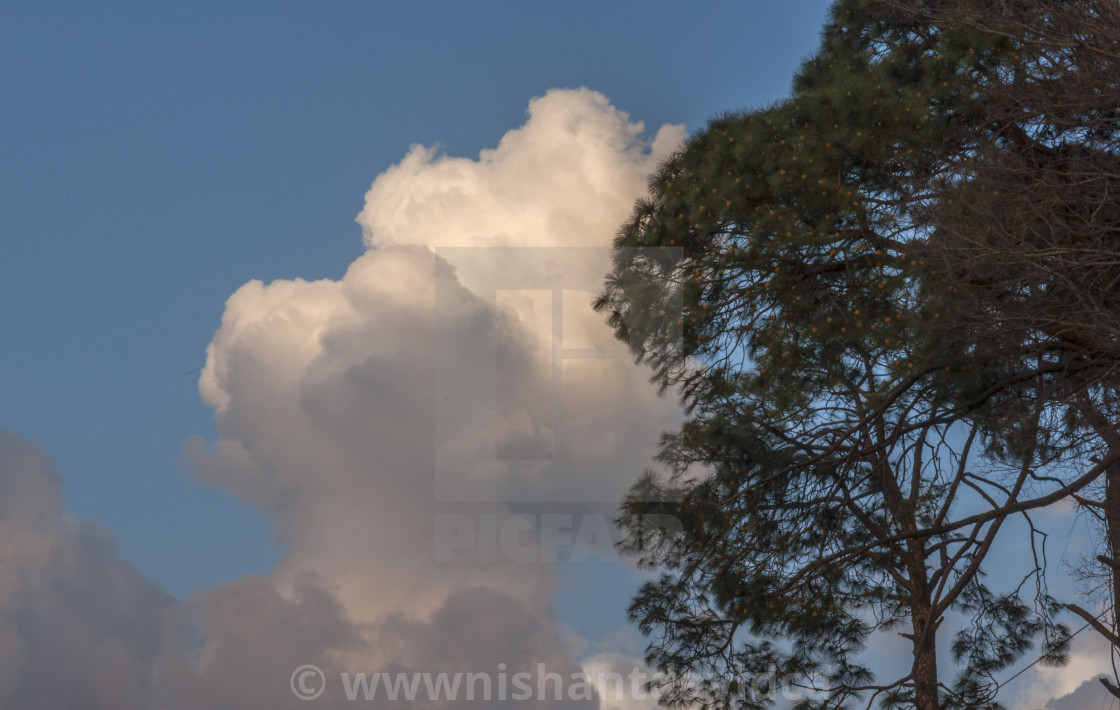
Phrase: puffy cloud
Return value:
(78, 626)
(619, 680)
(1067, 686)
(236, 646)
(327, 423)
(335, 403)
(359, 412)
(568, 177)
(1090, 694)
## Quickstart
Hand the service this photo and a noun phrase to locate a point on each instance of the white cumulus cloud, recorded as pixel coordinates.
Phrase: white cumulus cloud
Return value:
(443, 357)
(342, 406)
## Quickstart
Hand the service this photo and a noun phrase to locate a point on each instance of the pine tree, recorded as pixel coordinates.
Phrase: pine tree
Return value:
(831, 447)
(1024, 246)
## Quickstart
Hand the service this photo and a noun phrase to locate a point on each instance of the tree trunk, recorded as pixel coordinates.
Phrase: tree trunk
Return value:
(1112, 533)
(924, 628)
(925, 661)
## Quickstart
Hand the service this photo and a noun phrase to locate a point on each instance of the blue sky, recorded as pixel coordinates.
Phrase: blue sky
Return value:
(157, 157)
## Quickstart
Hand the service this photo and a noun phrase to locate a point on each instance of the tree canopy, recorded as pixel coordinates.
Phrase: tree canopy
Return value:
(851, 454)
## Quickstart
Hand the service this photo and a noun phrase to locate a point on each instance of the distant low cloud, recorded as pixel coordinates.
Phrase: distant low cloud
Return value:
(1090, 694)
(1065, 687)
(78, 627)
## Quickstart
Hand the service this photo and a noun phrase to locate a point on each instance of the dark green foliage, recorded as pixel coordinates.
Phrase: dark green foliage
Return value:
(834, 429)
(1023, 256)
